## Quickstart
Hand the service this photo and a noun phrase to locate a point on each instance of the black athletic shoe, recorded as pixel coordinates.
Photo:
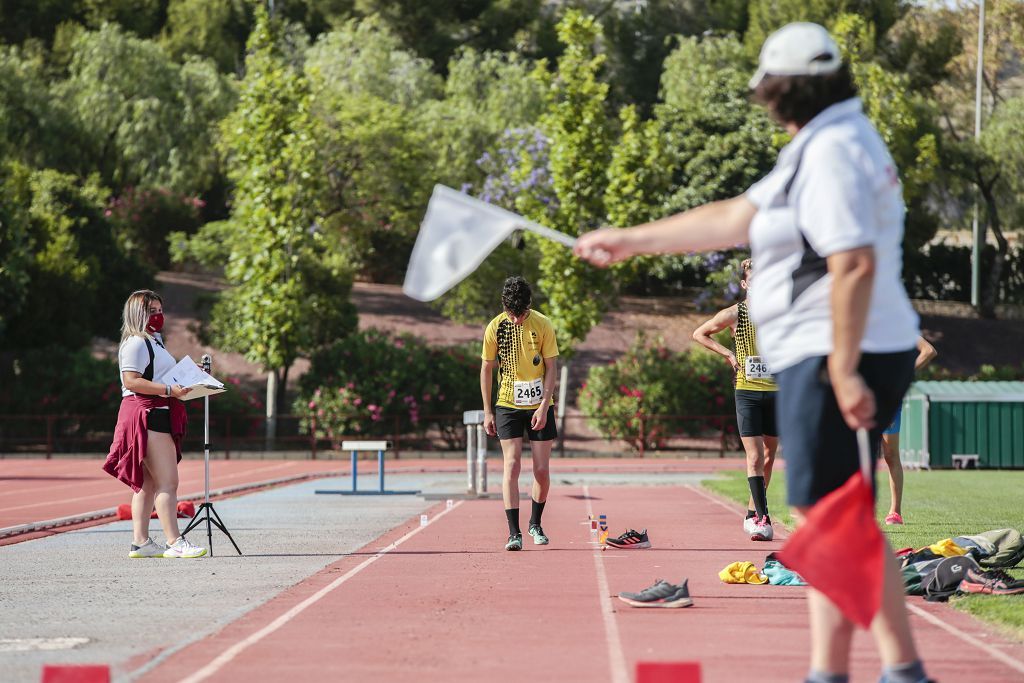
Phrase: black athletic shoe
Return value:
(630, 540)
(515, 542)
(661, 594)
(992, 582)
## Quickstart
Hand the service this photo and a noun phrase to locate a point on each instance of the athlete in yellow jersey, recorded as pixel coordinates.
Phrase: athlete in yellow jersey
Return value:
(755, 404)
(520, 343)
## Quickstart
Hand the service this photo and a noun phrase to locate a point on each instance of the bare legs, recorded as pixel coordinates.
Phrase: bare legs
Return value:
(891, 454)
(512, 452)
(162, 470)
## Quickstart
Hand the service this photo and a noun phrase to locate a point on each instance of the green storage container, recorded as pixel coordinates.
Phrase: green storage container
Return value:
(946, 424)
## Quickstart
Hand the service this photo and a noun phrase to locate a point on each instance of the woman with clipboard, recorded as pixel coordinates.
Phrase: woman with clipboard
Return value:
(151, 424)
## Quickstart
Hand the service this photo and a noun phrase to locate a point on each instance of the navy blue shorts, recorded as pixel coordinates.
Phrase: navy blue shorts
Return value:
(755, 412)
(819, 449)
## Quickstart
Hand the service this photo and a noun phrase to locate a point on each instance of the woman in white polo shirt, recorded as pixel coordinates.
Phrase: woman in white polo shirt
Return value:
(833, 319)
(150, 427)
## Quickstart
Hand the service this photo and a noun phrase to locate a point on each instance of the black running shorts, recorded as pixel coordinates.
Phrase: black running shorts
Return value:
(820, 450)
(159, 420)
(755, 412)
(511, 423)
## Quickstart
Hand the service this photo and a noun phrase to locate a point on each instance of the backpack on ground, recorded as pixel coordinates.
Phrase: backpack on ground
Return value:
(946, 578)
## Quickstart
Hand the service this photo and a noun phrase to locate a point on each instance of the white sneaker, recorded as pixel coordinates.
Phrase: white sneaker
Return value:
(147, 549)
(183, 548)
(750, 525)
(763, 531)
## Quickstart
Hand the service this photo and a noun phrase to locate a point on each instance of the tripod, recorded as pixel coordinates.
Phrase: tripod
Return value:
(206, 508)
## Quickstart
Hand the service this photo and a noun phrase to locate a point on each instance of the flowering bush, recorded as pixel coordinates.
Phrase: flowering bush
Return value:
(632, 398)
(372, 382)
(145, 217)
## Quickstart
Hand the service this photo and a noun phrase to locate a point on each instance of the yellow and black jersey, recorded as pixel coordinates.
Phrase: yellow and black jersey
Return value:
(520, 351)
(753, 373)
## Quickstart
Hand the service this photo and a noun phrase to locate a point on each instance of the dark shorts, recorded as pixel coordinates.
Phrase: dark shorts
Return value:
(894, 427)
(755, 412)
(511, 423)
(159, 420)
(820, 450)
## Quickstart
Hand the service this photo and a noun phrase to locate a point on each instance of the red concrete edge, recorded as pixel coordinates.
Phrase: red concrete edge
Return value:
(250, 622)
(245, 490)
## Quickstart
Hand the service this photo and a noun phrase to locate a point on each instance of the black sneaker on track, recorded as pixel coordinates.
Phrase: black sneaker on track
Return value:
(515, 542)
(630, 540)
(661, 594)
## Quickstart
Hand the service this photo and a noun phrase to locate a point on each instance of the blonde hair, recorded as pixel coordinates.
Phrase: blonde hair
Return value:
(136, 314)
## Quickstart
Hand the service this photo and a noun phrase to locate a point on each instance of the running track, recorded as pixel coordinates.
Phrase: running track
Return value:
(445, 603)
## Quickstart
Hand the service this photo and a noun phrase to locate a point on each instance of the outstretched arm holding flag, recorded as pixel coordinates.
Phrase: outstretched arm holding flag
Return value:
(833, 321)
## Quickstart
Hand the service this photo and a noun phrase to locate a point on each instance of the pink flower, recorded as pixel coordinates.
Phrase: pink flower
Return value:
(426, 397)
(372, 407)
(312, 405)
(357, 402)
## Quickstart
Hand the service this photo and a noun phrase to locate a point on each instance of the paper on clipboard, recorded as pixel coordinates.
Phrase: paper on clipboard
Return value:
(189, 375)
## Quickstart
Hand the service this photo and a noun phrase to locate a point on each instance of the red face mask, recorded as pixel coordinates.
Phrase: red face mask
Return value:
(156, 322)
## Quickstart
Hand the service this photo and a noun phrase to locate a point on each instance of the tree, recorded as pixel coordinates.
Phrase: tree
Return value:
(766, 16)
(580, 137)
(214, 29)
(706, 142)
(436, 29)
(288, 294)
(63, 264)
(983, 170)
(367, 95)
(142, 118)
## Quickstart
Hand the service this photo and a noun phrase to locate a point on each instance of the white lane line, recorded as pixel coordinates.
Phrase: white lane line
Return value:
(1014, 664)
(225, 657)
(1006, 659)
(616, 659)
(716, 501)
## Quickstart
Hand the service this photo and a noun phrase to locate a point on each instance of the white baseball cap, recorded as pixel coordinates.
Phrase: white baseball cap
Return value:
(798, 49)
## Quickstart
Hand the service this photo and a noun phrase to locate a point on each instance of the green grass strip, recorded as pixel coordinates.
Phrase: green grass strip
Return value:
(936, 505)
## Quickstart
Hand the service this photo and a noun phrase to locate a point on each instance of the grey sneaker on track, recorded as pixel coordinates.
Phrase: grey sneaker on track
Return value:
(515, 542)
(538, 535)
(661, 594)
(147, 549)
(183, 548)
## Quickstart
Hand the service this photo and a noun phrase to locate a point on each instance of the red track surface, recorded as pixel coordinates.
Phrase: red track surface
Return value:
(34, 490)
(448, 604)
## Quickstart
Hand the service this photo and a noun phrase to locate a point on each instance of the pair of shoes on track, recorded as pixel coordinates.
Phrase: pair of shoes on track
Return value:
(180, 549)
(661, 594)
(515, 541)
(759, 528)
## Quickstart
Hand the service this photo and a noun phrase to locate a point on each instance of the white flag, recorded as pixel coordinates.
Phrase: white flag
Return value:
(456, 235)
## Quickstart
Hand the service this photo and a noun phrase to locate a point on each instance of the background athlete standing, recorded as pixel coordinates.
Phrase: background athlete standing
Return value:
(755, 403)
(520, 343)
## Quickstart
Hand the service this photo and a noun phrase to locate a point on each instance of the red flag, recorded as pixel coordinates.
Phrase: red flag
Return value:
(839, 550)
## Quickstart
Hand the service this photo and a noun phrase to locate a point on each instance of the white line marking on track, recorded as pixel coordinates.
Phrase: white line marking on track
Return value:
(225, 657)
(1006, 659)
(1011, 662)
(616, 659)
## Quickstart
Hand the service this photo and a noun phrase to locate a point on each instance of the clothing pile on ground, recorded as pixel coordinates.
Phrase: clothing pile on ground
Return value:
(774, 573)
(964, 564)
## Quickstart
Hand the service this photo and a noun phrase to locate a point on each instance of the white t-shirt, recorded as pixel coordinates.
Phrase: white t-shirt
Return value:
(132, 356)
(845, 194)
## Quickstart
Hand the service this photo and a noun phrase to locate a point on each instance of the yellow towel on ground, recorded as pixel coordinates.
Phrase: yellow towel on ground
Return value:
(742, 572)
(947, 548)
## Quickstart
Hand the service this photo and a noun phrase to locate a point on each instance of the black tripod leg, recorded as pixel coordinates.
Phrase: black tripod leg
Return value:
(194, 522)
(220, 525)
